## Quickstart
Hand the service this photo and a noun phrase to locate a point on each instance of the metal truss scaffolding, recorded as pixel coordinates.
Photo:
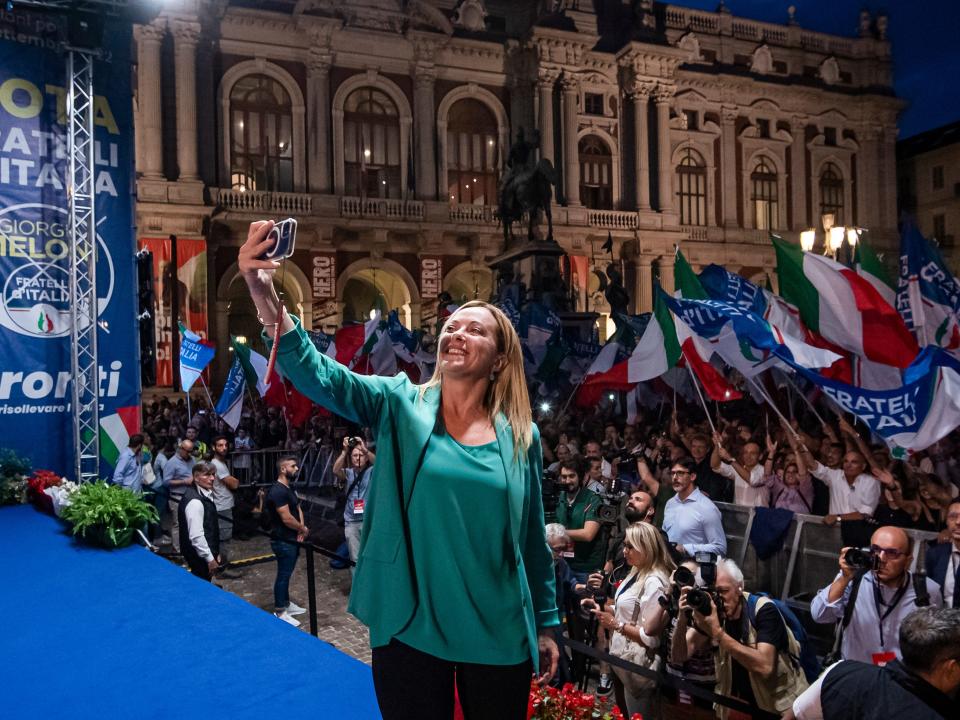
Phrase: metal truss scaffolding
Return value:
(83, 266)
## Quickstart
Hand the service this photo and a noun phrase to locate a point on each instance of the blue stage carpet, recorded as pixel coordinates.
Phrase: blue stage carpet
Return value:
(88, 633)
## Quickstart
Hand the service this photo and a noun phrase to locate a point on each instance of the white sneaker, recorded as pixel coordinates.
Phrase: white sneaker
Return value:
(287, 618)
(294, 609)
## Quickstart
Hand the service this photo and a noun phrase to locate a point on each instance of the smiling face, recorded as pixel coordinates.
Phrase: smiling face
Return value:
(751, 454)
(853, 465)
(469, 345)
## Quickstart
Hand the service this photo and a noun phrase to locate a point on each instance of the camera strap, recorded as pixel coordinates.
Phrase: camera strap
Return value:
(894, 601)
(834, 654)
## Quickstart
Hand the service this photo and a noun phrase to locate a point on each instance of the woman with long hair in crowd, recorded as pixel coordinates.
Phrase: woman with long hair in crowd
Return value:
(637, 618)
(454, 576)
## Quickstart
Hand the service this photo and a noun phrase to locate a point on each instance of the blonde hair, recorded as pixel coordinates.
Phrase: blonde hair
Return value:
(648, 542)
(507, 392)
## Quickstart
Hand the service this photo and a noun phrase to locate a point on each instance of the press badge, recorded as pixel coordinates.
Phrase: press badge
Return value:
(568, 554)
(358, 507)
(882, 658)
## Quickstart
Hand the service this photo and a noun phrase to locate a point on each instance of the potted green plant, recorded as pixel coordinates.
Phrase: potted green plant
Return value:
(107, 515)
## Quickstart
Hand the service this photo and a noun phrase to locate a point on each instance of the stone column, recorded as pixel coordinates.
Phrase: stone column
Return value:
(545, 82)
(641, 96)
(426, 121)
(318, 119)
(185, 36)
(643, 288)
(150, 154)
(662, 97)
(521, 107)
(666, 273)
(728, 165)
(798, 172)
(571, 149)
(887, 182)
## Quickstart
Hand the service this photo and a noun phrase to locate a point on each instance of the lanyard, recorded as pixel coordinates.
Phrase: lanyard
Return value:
(878, 601)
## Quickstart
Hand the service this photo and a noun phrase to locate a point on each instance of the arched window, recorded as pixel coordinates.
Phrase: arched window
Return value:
(371, 145)
(831, 193)
(472, 153)
(763, 180)
(692, 184)
(596, 174)
(261, 130)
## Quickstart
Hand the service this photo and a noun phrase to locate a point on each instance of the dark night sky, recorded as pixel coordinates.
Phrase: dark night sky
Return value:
(923, 33)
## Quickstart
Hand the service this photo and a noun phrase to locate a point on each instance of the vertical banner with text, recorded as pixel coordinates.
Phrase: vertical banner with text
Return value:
(324, 276)
(36, 417)
(191, 293)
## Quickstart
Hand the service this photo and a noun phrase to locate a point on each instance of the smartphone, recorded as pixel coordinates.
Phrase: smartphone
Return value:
(284, 236)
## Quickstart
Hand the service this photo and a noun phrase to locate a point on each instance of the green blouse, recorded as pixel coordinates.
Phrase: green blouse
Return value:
(466, 588)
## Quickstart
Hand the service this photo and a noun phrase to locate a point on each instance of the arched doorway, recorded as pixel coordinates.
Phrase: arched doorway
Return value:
(370, 289)
(467, 282)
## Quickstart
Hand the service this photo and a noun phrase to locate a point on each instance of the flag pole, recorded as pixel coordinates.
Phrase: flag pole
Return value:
(773, 405)
(213, 408)
(809, 404)
(703, 402)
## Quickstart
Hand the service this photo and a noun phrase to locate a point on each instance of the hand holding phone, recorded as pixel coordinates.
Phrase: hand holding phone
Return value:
(283, 236)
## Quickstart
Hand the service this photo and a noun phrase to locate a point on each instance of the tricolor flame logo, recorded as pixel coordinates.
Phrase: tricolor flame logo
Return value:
(44, 323)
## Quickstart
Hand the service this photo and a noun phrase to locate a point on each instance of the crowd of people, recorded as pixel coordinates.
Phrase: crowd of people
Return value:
(632, 503)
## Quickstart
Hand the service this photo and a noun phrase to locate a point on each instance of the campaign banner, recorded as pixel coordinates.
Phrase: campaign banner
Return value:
(191, 293)
(35, 327)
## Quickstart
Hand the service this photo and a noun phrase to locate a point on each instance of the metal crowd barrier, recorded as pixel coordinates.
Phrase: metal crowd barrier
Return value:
(253, 467)
(805, 563)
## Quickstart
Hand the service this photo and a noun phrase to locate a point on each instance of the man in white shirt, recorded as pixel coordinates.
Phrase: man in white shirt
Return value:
(749, 482)
(854, 494)
(198, 527)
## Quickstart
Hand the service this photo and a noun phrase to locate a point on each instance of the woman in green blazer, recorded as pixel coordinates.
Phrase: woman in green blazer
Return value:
(454, 577)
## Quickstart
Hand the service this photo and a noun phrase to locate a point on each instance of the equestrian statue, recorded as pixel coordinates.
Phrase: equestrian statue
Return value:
(526, 187)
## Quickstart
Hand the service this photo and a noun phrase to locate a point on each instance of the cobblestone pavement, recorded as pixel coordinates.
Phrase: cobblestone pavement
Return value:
(334, 624)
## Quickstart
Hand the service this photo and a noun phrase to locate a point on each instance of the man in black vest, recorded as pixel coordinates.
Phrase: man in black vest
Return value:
(922, 686)
(199, 525)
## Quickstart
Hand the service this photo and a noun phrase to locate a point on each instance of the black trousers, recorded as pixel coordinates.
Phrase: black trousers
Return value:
(413, 685)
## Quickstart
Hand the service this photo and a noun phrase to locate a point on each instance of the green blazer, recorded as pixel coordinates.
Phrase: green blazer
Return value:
(384, 594)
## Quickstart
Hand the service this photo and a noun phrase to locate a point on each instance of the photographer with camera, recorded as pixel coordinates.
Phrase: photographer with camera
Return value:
(871, 596)
(356, 478)
(690, 519)
(637, 618)
(756, 652)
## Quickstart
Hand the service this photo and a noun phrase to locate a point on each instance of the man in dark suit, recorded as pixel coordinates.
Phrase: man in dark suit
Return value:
(943, 560)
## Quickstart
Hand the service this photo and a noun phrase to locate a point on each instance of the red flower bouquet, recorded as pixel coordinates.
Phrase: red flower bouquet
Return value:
(38, 482)
(568, 703)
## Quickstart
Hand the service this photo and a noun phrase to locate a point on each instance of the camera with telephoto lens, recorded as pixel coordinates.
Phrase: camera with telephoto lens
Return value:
(701, 598)
(682, 577)
(550, 492)
(860, 558)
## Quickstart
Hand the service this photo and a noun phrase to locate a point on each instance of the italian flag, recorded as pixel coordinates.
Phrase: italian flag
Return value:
(696, 350)
(871, 269)
(843, 307)
(255, 371)
(367, 348)
(115, 432)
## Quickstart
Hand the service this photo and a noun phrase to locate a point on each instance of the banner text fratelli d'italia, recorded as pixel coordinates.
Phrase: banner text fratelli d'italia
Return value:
(35, 369)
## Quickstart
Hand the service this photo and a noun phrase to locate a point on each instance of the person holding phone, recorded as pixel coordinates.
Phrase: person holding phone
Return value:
(425, 523)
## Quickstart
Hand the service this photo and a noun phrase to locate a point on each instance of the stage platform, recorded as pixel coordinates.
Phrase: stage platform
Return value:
(88, 633)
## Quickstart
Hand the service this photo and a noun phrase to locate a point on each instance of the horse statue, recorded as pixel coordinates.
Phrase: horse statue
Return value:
(527, 187)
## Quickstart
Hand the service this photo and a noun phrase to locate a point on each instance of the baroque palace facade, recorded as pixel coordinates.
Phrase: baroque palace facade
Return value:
(383, 126)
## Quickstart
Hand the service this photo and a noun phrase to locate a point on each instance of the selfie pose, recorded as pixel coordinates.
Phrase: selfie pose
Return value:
(454, 575)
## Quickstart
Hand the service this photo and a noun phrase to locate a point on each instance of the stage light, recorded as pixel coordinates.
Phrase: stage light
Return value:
(726, 394)
(545, 407)
(9, 5)
(612, 397)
